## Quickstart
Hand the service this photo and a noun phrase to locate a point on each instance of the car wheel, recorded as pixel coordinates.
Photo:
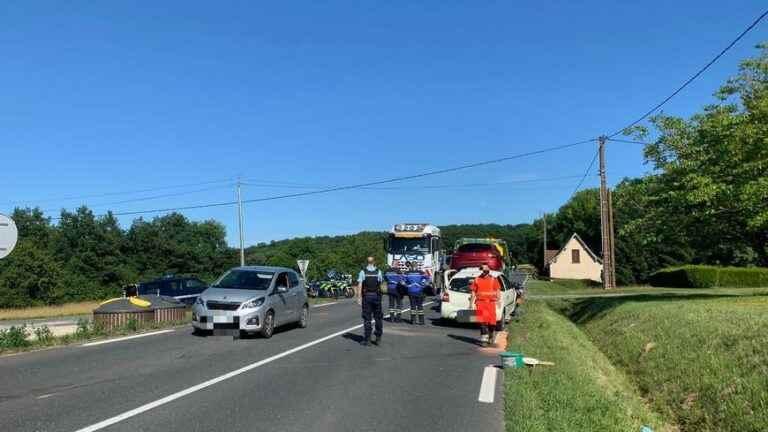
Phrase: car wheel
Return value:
(500, 323)
(304, 318)
(269, 325)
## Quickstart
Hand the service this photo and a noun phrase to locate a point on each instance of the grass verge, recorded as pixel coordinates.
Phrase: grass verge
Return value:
(547, 288)
(700, 360)
(79, 308)
(582, 392)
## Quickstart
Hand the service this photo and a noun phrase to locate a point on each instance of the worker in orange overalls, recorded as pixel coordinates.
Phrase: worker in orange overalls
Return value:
(485, 293)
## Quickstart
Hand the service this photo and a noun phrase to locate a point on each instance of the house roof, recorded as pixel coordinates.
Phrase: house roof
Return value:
(550, 254)
(583, 245)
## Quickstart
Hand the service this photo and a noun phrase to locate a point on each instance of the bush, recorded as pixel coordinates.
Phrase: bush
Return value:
(14, 337)
(710, 277)
(44, 335)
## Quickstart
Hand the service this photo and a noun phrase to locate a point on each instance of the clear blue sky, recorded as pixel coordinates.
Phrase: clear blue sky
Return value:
(102, 97)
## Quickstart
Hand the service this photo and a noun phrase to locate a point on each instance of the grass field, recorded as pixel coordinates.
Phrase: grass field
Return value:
(546, 288)
(80, 308)
(701, 360)
(582, 392)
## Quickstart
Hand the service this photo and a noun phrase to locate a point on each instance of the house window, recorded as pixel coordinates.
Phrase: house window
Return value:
(575, 257)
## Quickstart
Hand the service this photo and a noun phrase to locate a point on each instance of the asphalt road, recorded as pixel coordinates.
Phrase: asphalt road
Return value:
(319, 379)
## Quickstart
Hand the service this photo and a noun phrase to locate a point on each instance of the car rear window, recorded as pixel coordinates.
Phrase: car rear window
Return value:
(475, 248)
(461, 284)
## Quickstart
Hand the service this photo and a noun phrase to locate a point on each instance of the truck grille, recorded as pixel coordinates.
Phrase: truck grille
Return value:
(217, 305)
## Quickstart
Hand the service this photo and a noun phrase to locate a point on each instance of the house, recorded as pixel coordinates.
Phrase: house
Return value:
(575, 261)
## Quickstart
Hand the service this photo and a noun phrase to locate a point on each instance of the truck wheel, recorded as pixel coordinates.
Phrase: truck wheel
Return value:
(268, 328)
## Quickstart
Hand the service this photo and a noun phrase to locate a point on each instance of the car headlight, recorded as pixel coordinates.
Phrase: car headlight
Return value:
(253, 303)
(200, 301)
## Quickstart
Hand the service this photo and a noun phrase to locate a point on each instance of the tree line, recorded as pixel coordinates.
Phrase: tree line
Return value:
(705, 202)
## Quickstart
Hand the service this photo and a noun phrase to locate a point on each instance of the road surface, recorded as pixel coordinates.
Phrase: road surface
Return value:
(431, 378)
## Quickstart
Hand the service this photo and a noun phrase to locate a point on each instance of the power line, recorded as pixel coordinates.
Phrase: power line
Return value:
(440, 186)
(359, 185)
(586, 173)
(149, 198)
(692, 78)
(106, 194)
(629, 141)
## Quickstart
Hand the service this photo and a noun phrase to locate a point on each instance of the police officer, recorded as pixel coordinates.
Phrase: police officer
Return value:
(417, 281)
(369, 295)
(395, 288)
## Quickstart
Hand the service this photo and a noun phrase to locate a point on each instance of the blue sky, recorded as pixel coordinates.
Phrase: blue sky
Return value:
(109, 97)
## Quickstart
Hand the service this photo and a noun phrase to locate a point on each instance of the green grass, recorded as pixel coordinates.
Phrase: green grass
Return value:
(546, 288)
(700, 360)
(582, 392)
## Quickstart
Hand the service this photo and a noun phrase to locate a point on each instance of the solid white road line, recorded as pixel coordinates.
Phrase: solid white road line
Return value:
(172, 397)
(126, 338)
(325, 304)
(488, 385)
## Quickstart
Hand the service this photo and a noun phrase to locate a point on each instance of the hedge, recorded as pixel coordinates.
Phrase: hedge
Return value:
(699, 276)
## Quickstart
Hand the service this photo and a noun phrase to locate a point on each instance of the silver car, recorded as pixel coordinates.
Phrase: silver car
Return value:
(252, 299)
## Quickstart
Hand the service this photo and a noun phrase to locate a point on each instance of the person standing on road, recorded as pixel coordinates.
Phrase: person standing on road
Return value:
(395, 287)
(417, 281)
(369, 296)
(485, 293)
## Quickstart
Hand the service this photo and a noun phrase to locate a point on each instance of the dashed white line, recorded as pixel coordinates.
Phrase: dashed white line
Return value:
(126, 338)
(488, 385)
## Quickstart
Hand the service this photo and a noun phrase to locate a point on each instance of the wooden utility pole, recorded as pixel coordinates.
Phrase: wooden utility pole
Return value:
(544, 265)
(240, 223)
(612, 237)
(606, 222)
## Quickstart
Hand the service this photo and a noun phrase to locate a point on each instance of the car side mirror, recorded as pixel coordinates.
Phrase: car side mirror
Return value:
(282, 289)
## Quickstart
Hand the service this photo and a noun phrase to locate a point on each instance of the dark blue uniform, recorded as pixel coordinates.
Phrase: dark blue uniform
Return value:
(396, 285)
(372, 303)
(417, 282)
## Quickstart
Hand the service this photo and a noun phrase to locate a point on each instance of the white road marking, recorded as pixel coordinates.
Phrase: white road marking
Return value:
(126, 338)
(325, 304)
(172, 397)
(488, 385)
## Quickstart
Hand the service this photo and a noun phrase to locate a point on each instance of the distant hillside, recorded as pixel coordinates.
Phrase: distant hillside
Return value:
(347, 253)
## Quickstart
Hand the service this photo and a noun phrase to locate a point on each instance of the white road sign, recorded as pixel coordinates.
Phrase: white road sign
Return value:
(8, 235)
(303, 264)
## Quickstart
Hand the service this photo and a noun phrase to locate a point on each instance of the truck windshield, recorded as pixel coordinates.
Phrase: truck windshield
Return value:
(245, 280)
(408, 245)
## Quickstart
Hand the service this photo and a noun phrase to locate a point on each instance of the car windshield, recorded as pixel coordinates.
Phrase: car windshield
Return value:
(400, 245)
(461, 284)
(245, 280)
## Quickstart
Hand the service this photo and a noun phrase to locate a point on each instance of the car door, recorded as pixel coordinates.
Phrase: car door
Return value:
(295, 289)
(510, 295)
(281, 300)
(502, 303)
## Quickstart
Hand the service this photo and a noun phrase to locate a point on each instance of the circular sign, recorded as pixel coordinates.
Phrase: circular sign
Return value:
(8, 235)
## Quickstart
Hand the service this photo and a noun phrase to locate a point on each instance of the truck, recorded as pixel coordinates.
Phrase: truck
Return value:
(419, 245)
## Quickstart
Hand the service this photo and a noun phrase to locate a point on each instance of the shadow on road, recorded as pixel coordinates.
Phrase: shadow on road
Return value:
(467, 339)
(353, 337)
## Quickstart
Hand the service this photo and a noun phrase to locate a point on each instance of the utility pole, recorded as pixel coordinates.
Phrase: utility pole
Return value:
(544, 265)
(240, 223)
(606, 222)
